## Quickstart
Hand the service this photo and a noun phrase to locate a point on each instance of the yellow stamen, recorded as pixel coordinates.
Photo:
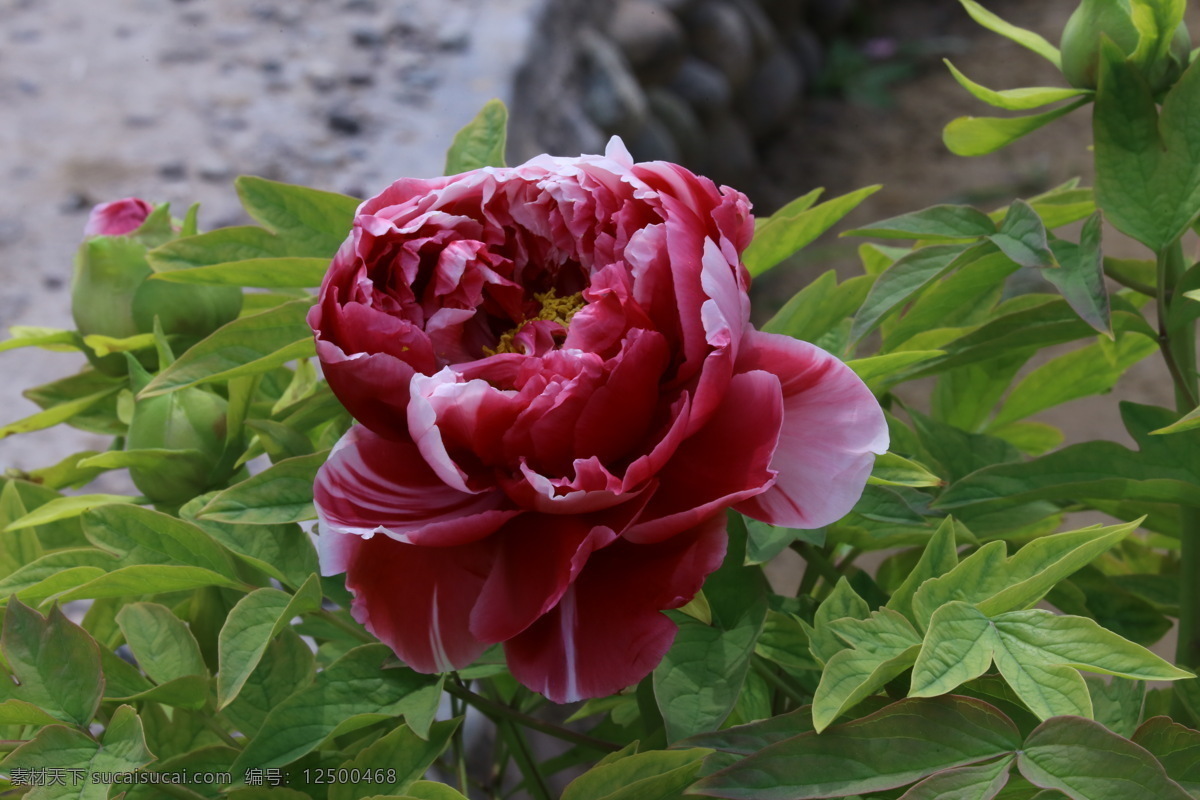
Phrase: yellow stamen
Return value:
(554, 309)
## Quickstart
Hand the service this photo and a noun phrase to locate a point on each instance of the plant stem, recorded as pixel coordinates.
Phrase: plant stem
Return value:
(767, 673)
(817, 563)
(1178, 346)
(497, 712)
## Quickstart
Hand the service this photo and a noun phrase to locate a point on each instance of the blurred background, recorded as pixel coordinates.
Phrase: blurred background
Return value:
(169, 100)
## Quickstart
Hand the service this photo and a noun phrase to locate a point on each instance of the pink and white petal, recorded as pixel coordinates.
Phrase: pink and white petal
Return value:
(832, 429)
(607, 631)
(373, 485)
(725, 462)
(445, 413)
(537, 558)
(417, 600)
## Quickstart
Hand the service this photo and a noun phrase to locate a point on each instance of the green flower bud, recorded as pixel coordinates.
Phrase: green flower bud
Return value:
(1094, 19)
(191, 421)
(110, 293)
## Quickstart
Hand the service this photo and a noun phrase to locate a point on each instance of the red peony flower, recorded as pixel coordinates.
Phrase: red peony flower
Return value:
(560, 394)
(117, 218)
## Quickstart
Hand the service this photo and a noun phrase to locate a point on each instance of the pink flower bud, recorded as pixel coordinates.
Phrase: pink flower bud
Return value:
(118, 217)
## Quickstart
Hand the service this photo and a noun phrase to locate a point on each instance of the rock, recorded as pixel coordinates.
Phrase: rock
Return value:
(772, 94)
(676, 7)
(344, 123)
(368, 37)
(173, 171)
(683, 125)
(762, 30)
(214, 171)
(611, 94)
(653, 142)
(809, 51)
(650, 37)
(829, 17)
(321, 75)
(11, 231)
(733, 160)
(720, 34)
(785, 14)
(702, 85)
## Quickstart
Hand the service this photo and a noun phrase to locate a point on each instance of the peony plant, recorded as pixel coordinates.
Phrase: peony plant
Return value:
(410, 474)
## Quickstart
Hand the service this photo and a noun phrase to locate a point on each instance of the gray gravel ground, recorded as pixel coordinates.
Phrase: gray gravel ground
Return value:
(169, 100)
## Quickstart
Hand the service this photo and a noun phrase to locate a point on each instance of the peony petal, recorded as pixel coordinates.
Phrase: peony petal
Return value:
(416, 600)
(832, 429)
(724, 463)
(537, 558)
(374, 485)
(607, 631)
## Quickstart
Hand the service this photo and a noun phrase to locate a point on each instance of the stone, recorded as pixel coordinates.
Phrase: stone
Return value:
(702, 85)
(669, 110)
(720, 34)
(344, 123)
(653, 142)
(173, 171)
(762, 30)
(650, 37)
(808, 50)
(772, 94)
(733, 161)
(321, 75)
(611, 94)
(829, 17)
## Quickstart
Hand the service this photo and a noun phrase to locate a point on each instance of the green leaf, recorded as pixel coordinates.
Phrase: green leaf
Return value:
(1080, 279)
(902, 280)
(283, 552)
(285, 272)
(977, 782)
(994, 583)
(1147, 169)
(226, 246)
(67, 507)
(1081, 643)
(161, 642)
(1024, 99)
(748, 739)
(252, 624)
(1022, 237)
(122, 749)
(56, 414)
(874, 370)
(246, 346)
(53, 339)
(1031, 438)
(401, 750)
(784, 233)
(965, 297)
(893, 470)
(939, 557)
(653, 775)
(936, 223)
(1117, 705)
(357, 683)
(882, 646)
(1163, 469)
(978, 136)
(1090, 370)
(863, 756)
(56, 572)
(315, 220)
(103, 345)
(281, 493)
(1023, 37)
(285, 667)
(56, 664)
(146, 579)
(142, 536)
(1175, 746)
(1085, 761)
(20, 712)
(843, 602)
(819, 307)
(697, 683)
(481, 142)
(766, 541)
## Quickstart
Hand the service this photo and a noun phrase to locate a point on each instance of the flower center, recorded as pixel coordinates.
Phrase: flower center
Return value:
(554, 309)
